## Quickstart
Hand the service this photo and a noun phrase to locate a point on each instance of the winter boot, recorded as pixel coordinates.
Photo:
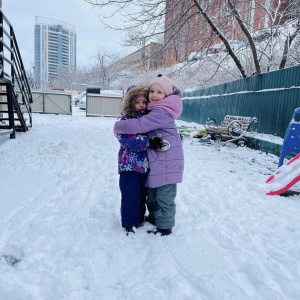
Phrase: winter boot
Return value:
(161, 232)
(129, 230)
(150, 220)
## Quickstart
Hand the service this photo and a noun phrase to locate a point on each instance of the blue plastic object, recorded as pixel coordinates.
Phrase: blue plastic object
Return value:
(291, 142)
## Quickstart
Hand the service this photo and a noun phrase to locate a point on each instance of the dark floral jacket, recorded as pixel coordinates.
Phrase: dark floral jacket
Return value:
(133, 150)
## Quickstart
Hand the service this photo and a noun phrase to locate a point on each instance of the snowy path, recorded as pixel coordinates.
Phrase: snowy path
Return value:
(59, 216)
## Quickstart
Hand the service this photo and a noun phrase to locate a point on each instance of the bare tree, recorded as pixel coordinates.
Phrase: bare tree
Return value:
(101, 74)
(292, 33)
(31, 77)
(182, 22)
(97, 73)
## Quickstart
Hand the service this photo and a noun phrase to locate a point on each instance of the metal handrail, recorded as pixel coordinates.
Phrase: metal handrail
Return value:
(11, 64)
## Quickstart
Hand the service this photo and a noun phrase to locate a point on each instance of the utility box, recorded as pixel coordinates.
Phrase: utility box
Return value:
(93, 90)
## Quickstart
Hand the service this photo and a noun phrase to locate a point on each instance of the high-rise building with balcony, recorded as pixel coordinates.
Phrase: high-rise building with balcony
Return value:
(54, 50)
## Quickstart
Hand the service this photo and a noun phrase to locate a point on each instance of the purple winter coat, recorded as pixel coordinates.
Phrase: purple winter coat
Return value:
(166, 167)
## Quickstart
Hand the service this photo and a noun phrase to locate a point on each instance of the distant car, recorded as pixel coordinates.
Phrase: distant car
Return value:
(82, 103)
(236, 45)
(76, 99)
(212, 50)
(110, 93)
(264, 34)
(261, 35)
(194, 56)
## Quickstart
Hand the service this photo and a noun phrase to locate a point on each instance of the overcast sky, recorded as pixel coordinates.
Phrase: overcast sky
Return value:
(91, 33)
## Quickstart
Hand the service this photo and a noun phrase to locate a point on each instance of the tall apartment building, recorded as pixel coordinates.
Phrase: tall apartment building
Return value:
(190, 33)
(54, 50)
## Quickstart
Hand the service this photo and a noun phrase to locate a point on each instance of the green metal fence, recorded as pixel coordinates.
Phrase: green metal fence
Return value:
(271, 97)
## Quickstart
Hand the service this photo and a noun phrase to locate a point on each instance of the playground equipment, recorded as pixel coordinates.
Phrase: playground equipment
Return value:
(287, 174)
(291, 142)
(232, 129)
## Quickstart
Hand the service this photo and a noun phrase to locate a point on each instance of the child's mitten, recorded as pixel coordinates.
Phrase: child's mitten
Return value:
(157, 143)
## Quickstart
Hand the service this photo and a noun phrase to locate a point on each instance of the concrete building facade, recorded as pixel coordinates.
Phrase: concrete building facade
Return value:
(147, 58)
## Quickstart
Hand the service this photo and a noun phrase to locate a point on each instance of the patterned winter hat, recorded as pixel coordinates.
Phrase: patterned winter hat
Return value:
(165, 82)
(130, 88)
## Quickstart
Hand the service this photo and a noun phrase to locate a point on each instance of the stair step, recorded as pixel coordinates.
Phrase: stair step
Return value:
(6, 131)
(4, 126)
(7, 119)
(6, 111)
(17, 128)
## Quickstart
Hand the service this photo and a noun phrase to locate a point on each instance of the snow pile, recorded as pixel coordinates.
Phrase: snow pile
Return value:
(61, 236)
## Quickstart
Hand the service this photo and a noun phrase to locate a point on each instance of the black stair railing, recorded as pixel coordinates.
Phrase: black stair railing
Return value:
(13, 77)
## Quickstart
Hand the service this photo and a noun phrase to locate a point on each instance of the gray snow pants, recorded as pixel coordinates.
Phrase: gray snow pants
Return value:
(161, 205)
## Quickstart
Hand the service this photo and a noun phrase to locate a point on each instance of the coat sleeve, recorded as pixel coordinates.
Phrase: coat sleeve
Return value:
(133, 141)
(154, 120)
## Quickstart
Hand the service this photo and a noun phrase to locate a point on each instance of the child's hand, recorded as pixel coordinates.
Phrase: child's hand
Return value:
(157, 143)
(115, 133)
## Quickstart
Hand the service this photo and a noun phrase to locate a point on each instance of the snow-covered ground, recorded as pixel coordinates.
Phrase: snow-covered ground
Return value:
(61, 236)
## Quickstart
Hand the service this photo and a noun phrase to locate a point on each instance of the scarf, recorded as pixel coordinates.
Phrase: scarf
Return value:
(172, 104)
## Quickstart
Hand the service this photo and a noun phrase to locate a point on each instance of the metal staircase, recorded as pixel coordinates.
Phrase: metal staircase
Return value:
(15, 92)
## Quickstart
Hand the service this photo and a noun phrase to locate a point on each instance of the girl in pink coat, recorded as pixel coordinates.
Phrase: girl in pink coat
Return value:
(166, 164)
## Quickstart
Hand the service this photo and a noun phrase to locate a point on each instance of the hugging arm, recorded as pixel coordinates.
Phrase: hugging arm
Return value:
(154, 120)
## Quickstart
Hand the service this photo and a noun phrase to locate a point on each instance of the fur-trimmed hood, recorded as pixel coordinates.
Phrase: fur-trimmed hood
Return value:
(128, 104)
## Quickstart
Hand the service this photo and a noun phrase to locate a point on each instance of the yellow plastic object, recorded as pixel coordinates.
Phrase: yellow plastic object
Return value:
(199, 133)
(192, 132)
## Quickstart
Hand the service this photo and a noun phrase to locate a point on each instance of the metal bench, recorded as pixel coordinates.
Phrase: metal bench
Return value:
(231, 129)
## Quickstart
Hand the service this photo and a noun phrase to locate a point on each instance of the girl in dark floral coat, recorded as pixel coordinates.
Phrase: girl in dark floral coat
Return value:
(133, 162)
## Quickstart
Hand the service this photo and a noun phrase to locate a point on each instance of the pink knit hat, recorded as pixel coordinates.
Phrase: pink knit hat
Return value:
(165, 82)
